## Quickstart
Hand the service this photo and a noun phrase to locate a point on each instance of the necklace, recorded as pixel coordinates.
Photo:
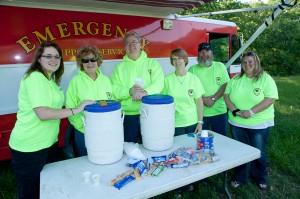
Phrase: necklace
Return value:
(93, 77)
(181, 82)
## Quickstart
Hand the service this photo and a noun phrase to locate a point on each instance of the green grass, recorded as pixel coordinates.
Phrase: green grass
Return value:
(283, 152)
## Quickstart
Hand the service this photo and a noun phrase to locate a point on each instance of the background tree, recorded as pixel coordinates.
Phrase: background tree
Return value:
(278, 46)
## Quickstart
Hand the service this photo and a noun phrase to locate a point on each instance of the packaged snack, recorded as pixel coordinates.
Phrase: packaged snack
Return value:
(137, 174)
(121, 177)
(162, 158)
(175, 160)
(124, 182)
(205, 157)
(141, 165)
(180, 165)
(131, 161)
(158, 171)
(159, 160)
(151, 170)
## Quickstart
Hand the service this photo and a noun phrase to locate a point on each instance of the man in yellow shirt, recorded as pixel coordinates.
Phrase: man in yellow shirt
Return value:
(135, 65)
(214, 77)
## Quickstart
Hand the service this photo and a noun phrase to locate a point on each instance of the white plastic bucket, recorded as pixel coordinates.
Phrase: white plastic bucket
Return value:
(157, 117)
(103, 132)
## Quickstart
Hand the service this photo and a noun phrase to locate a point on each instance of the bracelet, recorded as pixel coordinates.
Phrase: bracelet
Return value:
(235, 111)
(251, 112)
(72, 111)
(200, 122)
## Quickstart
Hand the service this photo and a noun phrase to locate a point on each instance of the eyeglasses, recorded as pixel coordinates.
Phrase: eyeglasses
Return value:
(57, 57)
(85, 61)
(133, 43)
(176, 59)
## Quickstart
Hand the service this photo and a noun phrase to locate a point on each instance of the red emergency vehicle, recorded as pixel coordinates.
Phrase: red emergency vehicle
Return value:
(24, 27)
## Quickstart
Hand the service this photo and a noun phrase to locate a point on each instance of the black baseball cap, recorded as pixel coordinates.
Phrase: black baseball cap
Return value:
(204, 46)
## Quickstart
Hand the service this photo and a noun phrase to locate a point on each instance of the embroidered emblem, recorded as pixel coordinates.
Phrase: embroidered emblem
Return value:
(191, 92)
(109, 95)
(256, 91)
(218, 79)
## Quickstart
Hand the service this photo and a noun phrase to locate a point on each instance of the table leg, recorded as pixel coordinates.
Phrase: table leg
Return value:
(223, 189)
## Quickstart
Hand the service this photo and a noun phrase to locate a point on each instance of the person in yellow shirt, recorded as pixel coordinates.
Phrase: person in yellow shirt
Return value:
(135, 65)
(187, 91)
(33, 141)
(250, 97)
(214, 77)
(89, 83)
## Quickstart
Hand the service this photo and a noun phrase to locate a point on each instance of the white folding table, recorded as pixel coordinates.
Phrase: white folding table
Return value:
(64, 179)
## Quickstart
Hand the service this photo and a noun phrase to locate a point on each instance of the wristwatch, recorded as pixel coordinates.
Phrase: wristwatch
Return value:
(213, 99)
(200, 122)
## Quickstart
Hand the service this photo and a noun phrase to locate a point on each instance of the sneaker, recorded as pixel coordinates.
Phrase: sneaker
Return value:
(177, 194)
(235, 184)
(191, 187)
(263, 186)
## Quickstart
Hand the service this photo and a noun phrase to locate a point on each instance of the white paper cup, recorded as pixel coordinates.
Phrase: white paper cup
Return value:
(204, 133)
(87, 176)
(96, 179)
(140, 82)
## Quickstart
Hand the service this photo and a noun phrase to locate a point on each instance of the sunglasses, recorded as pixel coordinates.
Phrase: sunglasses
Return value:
(89, 60)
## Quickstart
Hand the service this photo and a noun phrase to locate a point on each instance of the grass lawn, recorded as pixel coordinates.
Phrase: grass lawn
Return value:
(283, 156)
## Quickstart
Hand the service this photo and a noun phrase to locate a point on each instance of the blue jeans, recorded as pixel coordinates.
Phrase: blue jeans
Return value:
(132, 128)
(80, 143)
(217, 123)
(257, 138)
(27, 167)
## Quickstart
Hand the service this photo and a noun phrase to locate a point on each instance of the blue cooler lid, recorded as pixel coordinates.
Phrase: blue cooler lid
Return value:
(158, 99)
(103, 106)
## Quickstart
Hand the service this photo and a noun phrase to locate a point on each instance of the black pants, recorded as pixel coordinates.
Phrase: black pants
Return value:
(27, 167)
(132, 128)
(185, 130)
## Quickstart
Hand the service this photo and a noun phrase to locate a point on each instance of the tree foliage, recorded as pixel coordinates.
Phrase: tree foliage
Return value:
(278, 46)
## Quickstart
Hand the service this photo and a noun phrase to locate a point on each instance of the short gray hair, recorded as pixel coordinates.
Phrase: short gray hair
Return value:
(134, 34)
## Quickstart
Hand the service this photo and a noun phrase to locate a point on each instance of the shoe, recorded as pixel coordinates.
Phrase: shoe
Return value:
(177, 194)
(235, 184)
(262, 186)
(191, 188)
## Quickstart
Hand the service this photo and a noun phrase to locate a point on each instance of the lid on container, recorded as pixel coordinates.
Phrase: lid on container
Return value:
(103, 106)
(158, 99)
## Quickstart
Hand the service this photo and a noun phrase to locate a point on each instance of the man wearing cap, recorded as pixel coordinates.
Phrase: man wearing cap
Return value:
(214, 77)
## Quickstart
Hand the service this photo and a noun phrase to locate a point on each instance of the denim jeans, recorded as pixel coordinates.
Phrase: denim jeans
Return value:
(80, 143)
(27, 167)
(132, 128)
(257, 138)
(217, 123)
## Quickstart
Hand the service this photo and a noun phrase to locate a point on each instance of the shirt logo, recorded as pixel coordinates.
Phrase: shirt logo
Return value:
(218, 79)
(191, 93)
(256, 91)
(150, 72)
(109, 95)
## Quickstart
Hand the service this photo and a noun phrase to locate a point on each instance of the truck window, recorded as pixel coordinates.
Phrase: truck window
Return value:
(220, 46)
(236, 45)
